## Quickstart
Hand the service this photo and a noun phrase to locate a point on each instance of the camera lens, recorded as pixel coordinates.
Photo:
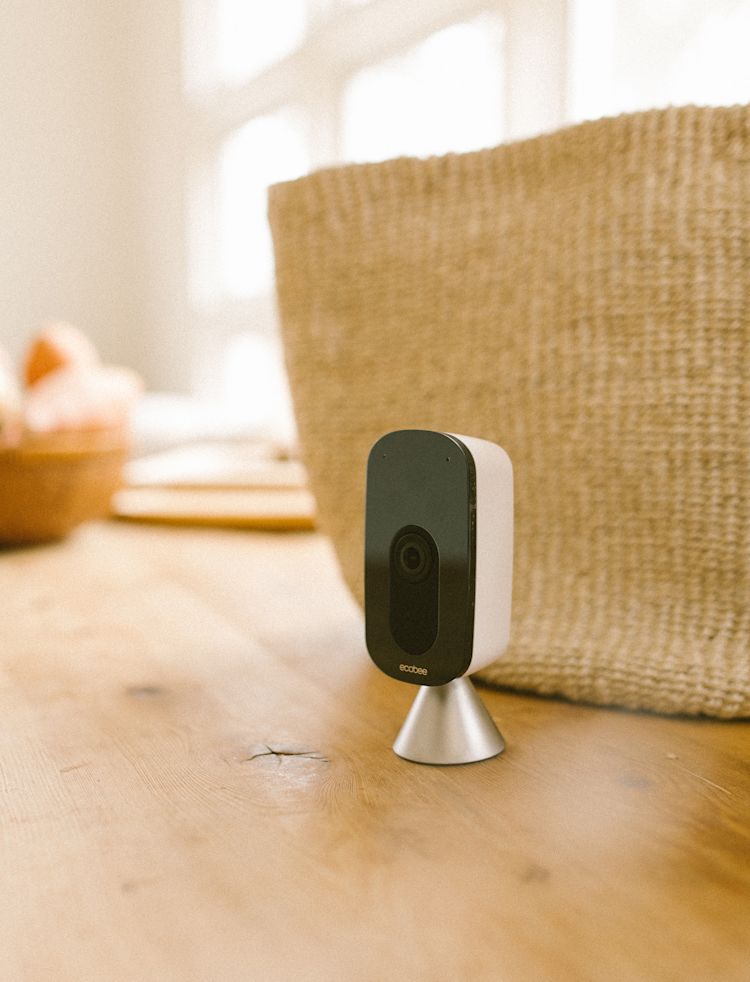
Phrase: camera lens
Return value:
(413, 557)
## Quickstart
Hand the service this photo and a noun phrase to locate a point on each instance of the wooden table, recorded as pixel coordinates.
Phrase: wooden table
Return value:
(196, 783)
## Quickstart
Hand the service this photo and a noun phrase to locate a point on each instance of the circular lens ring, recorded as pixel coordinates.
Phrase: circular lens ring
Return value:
(408, 547)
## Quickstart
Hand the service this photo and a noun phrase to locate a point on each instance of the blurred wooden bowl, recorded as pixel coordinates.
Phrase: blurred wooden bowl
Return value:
(52, 483)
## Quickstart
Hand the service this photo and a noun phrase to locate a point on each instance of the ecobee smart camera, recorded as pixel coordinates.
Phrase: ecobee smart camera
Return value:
(438, 580)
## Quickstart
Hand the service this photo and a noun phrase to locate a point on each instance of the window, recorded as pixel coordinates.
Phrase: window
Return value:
(444, 93)
(267, 148)
(628, 55)
(274, 90)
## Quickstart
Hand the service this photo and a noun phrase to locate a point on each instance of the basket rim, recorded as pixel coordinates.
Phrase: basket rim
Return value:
(67, 445)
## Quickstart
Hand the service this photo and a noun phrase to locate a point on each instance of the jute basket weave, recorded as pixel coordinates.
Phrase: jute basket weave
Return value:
(583, 299)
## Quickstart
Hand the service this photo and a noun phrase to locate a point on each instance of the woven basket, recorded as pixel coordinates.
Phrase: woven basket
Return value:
(52, 483)
(582, 299)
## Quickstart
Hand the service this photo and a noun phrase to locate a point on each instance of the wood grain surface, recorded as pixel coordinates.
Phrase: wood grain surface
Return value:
(196, 783)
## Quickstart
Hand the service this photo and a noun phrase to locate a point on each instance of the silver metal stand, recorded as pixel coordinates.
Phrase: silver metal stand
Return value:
(448, 724)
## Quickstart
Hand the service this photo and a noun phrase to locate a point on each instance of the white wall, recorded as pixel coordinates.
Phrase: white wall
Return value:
(63, 172)
(151, 82)
(90, 189)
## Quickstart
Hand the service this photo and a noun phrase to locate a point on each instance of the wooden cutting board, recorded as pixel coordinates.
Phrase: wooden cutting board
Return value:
(242, 508)
(230, 485)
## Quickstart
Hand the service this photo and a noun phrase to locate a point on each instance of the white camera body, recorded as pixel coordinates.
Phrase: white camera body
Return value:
(438, 555)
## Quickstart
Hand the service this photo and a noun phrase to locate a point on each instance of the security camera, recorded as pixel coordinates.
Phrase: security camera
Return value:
(438, 579)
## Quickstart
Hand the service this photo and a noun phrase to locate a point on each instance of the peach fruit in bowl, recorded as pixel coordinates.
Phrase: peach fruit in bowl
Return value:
(63, 436)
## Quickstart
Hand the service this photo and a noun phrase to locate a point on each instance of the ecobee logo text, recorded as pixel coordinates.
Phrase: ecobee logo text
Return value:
(414, 669)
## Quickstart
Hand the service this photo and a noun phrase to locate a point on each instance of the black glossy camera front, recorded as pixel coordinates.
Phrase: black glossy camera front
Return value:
(419, 556)
(414, 570)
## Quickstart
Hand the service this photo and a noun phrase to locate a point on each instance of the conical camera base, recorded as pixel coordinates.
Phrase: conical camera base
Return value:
(448, 724)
